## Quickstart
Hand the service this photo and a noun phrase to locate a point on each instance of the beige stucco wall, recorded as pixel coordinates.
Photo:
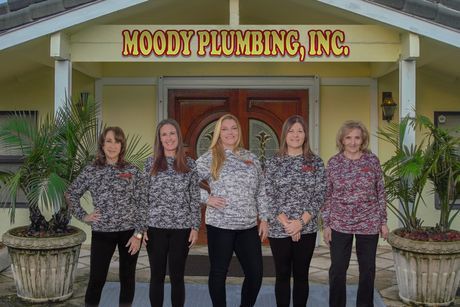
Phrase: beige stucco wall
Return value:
(134, 107)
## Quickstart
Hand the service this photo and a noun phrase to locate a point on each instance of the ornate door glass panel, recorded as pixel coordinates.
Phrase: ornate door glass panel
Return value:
(263, 141)
(204, 139)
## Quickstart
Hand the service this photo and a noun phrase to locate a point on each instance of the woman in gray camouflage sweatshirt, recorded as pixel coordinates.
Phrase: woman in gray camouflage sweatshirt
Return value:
(174, 214)
(117, 191)
(236, 201)
(296, 185)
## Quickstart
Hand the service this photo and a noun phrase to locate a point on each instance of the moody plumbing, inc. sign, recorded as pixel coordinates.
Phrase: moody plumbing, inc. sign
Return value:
(243, 43)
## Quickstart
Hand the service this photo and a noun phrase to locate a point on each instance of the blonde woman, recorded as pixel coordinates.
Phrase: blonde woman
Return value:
(236, 201)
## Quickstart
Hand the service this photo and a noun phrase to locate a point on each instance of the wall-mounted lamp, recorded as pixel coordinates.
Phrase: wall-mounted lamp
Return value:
(388, 106)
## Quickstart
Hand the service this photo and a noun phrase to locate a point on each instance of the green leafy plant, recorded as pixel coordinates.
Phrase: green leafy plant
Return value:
(443, 160)
(54, 153)
(435, 159)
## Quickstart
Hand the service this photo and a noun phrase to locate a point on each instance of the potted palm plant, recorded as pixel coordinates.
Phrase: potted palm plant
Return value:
(427, 258)
(44, 254)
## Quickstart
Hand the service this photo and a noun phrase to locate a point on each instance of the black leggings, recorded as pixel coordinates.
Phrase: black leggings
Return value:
(247, 247)
(102, 248)
(366, 250)
(292, 257)
(167, 245)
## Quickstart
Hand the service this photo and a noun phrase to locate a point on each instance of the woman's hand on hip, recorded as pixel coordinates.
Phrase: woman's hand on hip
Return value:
(92, 217)
(327, 235)
(216, 202)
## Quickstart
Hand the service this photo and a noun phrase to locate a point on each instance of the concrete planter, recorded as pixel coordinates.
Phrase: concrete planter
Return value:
(428, 273)
(44, 268)
(4, 259)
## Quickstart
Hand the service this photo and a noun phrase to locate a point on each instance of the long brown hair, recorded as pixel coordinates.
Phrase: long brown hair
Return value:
(216, 147)
(119, 138)
(160, 164)
(288, 123)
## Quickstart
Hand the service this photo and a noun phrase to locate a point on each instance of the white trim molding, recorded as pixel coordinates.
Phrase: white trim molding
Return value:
(308, 83)
(62, 83)
(398, 19)
(62, 21)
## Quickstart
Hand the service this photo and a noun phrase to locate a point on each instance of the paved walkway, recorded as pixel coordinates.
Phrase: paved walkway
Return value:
(385, 281)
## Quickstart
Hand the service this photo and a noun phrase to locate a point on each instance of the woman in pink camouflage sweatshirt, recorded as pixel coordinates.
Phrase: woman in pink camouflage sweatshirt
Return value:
(354, 207)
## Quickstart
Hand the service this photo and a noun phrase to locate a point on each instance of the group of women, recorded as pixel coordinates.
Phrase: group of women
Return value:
(160, 208)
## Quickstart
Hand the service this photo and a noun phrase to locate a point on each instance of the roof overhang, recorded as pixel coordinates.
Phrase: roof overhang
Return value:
(398, 19)
(62, 21)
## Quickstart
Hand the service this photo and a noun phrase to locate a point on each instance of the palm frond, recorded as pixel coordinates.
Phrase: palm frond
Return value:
(137, 153)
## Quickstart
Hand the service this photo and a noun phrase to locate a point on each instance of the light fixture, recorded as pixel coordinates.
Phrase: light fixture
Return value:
(388, 106)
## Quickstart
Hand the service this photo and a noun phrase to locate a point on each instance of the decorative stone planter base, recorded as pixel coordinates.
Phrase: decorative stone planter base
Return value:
(4, 259)
(428, 273)
(44, 268)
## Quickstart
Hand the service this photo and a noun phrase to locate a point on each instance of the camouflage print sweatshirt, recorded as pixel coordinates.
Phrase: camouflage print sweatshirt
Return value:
(117, 193)
(173, 198)
(295, 185)
(241, 184)
(355, 198)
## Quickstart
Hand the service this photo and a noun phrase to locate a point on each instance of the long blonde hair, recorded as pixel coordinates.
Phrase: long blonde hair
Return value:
(217, 149)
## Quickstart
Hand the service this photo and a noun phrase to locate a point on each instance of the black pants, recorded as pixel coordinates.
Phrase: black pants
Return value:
(247, 247)
(167, 245)
(366, 249)
(102, 248)
(292, 257)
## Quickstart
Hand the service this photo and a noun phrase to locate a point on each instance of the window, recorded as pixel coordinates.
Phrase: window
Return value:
(11, 156)
(11, 160)
(451, 122)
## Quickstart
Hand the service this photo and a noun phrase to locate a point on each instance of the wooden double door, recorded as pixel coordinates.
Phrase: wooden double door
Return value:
(261, 113)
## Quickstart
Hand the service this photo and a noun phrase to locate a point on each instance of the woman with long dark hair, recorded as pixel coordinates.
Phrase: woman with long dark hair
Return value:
(117, 192)
(236, 202)
(174, 214)
(296, 185)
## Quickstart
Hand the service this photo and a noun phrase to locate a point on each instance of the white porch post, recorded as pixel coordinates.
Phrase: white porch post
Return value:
(60, 52)
(407, 77)
(234, 12)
